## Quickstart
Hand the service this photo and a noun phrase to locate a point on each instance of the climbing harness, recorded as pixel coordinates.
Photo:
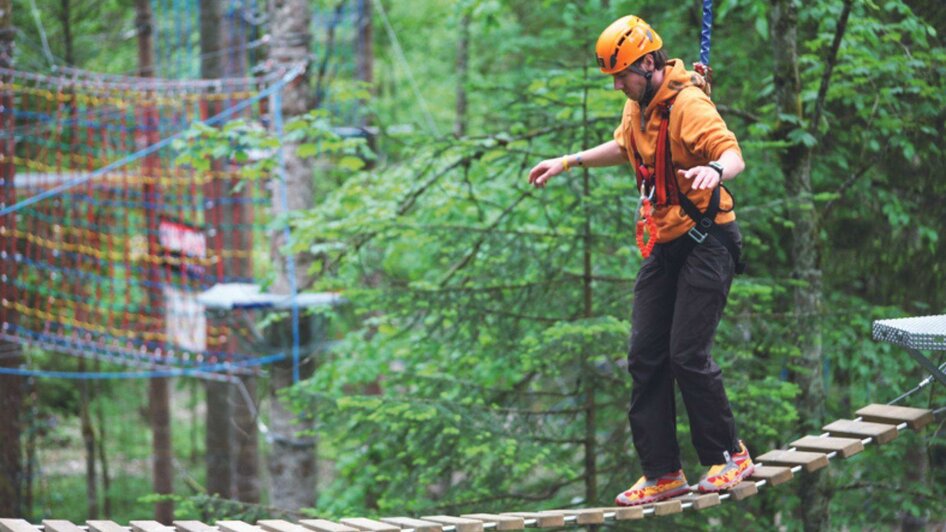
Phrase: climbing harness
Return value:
(659, 187)
(665, 191)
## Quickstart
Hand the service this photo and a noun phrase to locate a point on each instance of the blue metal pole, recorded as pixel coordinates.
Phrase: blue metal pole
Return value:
(707, 33)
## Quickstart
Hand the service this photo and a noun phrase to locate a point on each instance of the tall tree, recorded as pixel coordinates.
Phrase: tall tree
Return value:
(218, 436)
(234, 216)
(796, 166)
(292, 464)
(11, 387)
(88, 439)
(158, 392)
(463, 73)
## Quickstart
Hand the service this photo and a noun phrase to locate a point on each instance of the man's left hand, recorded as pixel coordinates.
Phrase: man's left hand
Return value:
(704, 177)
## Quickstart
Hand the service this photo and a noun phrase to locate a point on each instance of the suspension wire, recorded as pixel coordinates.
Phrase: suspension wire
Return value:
(923, 384)
(399, 53)
(707, 33)
(23, 37)
(42, 34)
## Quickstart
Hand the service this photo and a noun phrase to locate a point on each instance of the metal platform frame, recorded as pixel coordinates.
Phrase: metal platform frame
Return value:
(924, 333)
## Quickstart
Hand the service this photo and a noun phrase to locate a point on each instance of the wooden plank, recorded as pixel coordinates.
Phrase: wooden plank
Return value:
(743, 490)
(16, 525)
(882, 433)
(673, 506)
(587, 516)
(845, 447)
(503, 522)
(192, 526)
(417, 524)
(105, 526)
(278, 525)
(542, 519)
(324, 525)
(915, 418)
(459, 523)
(774, 475)
(702, 501)
(369, 525)
(149, 526)
(237, 526)
(810, 461)
(60, 525)
(626, 513)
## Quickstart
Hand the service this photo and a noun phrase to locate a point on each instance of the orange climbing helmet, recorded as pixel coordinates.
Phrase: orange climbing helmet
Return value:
(625, 41)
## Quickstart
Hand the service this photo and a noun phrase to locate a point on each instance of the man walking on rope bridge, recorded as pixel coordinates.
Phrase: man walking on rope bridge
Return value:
(680, 158)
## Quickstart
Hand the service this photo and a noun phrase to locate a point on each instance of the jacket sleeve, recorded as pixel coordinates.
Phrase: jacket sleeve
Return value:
(702, 130)
(619, 136)
(619, 131)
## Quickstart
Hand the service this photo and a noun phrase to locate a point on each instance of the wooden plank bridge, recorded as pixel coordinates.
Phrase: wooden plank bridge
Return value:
(843, 438)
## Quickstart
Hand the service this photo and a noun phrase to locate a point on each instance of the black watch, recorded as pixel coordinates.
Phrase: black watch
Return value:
(716, 165)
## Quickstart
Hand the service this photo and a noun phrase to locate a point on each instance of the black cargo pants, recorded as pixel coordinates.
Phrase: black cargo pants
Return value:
(678, 302)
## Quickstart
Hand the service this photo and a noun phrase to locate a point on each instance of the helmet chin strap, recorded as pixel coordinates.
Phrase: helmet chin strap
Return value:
(649, 90)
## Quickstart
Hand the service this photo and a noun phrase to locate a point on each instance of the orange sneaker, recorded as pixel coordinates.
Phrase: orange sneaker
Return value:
(646, 490)
(724, 476)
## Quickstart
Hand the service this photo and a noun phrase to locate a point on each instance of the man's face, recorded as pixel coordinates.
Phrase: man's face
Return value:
(631, 83)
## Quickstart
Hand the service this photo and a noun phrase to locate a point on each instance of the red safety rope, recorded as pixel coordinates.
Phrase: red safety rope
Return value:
(646, 224)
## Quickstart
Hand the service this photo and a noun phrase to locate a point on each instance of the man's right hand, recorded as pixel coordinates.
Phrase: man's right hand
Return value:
(545, 170)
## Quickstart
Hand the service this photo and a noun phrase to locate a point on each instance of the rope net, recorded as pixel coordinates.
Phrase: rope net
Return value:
(111, 267)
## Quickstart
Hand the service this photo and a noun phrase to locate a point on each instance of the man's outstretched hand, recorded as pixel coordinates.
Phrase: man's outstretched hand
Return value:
(545, 170)
(704, 177)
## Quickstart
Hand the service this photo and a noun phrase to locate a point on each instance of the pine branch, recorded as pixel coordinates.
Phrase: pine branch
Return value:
(468, 258)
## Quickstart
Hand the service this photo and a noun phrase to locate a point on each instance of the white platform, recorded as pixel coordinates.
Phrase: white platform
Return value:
(230, 296)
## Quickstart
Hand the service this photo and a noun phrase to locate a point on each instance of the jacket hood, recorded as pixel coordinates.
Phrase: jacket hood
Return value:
(676, 78)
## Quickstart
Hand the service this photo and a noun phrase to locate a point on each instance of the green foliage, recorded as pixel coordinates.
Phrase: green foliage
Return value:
(493, 317)
(473, 286)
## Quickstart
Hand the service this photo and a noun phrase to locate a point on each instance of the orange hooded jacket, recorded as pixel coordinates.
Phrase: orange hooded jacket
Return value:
(697, 134)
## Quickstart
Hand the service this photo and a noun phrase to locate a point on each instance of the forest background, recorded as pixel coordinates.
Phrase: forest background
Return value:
(480, 367)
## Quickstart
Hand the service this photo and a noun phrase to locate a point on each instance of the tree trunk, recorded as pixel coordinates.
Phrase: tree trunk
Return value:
(365, 44)
(11, 387)
(246, 440)
(795, 162)
(916, 473)
(158, 398)
(65, 20)
(218, 435)
(463, 74)
(292, 458)
(103, 456)
(217, 439)
(234, 215)
(588, 373)
(11, 477)
(88, 439)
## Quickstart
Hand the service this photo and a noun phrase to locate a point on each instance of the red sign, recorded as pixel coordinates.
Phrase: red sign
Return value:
(183, 241)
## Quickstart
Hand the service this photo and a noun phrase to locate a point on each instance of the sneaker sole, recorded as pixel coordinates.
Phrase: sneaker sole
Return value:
(683, 490)
(732, 483)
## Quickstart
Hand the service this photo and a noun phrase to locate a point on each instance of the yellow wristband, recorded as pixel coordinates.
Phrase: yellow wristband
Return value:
(565, 163)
